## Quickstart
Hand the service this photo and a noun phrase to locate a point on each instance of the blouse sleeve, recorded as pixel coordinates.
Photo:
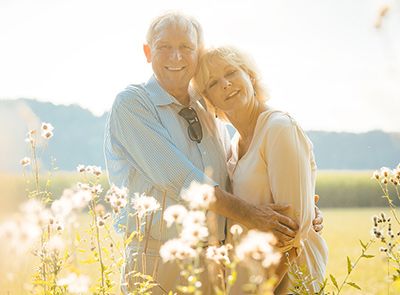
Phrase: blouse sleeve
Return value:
(291, 169)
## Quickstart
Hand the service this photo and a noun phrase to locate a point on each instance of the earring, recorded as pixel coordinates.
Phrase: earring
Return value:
(216, 112)
(255, 93)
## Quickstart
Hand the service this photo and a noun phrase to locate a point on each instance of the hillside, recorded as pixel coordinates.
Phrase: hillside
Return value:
(78, 139)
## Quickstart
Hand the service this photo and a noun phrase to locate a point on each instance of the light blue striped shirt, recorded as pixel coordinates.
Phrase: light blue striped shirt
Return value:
(147, 146)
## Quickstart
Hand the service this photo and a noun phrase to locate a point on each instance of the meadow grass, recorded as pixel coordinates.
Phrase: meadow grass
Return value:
(344, 227)
(342, 231)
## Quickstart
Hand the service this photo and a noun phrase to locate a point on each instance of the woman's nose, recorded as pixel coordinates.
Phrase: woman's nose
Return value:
(227, 84)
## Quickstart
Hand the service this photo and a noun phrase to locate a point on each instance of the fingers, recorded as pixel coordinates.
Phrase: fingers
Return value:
(286, 225)
(279, 206)
(289, 232)
(319, 218)
(316, 198)
(318, 228)
(282, 239)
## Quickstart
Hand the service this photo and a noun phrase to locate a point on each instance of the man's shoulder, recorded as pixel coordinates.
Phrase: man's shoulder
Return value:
(131, 92)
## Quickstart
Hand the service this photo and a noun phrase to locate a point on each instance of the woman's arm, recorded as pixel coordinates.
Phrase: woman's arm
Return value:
(291, 172)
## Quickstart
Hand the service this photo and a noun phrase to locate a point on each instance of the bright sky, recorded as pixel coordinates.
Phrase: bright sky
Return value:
(324, 61)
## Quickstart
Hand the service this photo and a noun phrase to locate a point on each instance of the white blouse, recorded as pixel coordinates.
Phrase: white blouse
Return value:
(279, 167)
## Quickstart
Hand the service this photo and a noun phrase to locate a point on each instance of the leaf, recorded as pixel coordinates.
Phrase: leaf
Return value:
(334, 281)
(354, 285)
(130, 238)
(78, 237)
(363, 245)
(367, 256)
(349, 266)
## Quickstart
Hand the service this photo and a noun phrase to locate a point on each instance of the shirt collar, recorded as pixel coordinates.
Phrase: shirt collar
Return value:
(161, 97)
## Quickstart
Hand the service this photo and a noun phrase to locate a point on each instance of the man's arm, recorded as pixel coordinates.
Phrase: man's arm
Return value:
(262, 217)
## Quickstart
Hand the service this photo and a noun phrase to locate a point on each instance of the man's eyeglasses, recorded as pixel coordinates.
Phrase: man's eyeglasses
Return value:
(194, 129)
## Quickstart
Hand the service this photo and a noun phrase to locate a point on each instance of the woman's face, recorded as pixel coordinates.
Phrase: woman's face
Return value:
(229, 87)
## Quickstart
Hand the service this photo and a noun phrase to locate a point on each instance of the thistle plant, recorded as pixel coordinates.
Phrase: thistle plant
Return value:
(389, 239)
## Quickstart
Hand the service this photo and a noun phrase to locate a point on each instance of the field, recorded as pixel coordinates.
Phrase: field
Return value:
(344, 227)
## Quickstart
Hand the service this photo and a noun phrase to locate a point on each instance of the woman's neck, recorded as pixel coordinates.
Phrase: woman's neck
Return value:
(245, 121)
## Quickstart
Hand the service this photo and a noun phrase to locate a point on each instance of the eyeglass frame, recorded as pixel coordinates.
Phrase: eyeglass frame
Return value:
(193, 120)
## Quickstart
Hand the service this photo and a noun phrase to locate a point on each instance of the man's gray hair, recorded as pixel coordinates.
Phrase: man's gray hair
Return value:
(177, 19)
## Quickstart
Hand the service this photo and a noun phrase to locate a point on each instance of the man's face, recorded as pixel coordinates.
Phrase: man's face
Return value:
(174, 57)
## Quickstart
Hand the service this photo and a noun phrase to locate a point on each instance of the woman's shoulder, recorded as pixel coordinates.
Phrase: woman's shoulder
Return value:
(274, 124)
(275, 120)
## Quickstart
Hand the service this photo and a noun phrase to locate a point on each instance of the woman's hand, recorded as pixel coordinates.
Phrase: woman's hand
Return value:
(319, 218)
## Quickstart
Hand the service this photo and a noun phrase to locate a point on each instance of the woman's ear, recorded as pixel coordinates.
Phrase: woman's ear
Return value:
(252, 79)
(147, 52)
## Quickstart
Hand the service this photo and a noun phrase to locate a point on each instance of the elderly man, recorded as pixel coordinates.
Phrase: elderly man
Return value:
(160, 136)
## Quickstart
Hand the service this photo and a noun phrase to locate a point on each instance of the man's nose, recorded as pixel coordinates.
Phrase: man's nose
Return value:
(175, 54)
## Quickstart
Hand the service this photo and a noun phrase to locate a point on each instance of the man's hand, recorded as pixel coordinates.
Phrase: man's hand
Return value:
(267, 218)
(319, 218)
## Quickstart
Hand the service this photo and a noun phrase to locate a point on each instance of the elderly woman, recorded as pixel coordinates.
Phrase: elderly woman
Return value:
(272, 160)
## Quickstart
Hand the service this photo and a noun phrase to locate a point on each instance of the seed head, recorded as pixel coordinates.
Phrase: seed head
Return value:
(25, 161)
(375, 220)
(385, 171)
(47, 134)
(236, 230)
(80, 168)
(47, 127)
(100, 222)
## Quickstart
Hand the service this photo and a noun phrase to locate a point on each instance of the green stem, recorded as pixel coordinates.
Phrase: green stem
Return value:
(98, 244)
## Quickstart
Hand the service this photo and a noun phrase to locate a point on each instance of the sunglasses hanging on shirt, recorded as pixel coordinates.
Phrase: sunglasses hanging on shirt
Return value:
(194, 129)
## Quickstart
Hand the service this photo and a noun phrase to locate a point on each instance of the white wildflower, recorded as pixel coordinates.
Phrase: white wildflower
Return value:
(62, 206)
(195, 217)
(47, 134)
(56, 244)
(46, 127)
(80, 168)
(176, 249)
(236, 230)
(219, 254)
(96, 170)
(194, 233)
(96, 189)
(25, 161)
(89, 168)
(31, 132)
(257, 246)
(76, 284)
(199, 196)
(144, 204)
(385, 171)
(100, 222)
(175, 213)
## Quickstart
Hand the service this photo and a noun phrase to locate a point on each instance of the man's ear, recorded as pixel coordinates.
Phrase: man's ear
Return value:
(147, 52)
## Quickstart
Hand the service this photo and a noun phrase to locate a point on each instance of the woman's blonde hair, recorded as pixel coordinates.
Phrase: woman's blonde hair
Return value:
(235, 57)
